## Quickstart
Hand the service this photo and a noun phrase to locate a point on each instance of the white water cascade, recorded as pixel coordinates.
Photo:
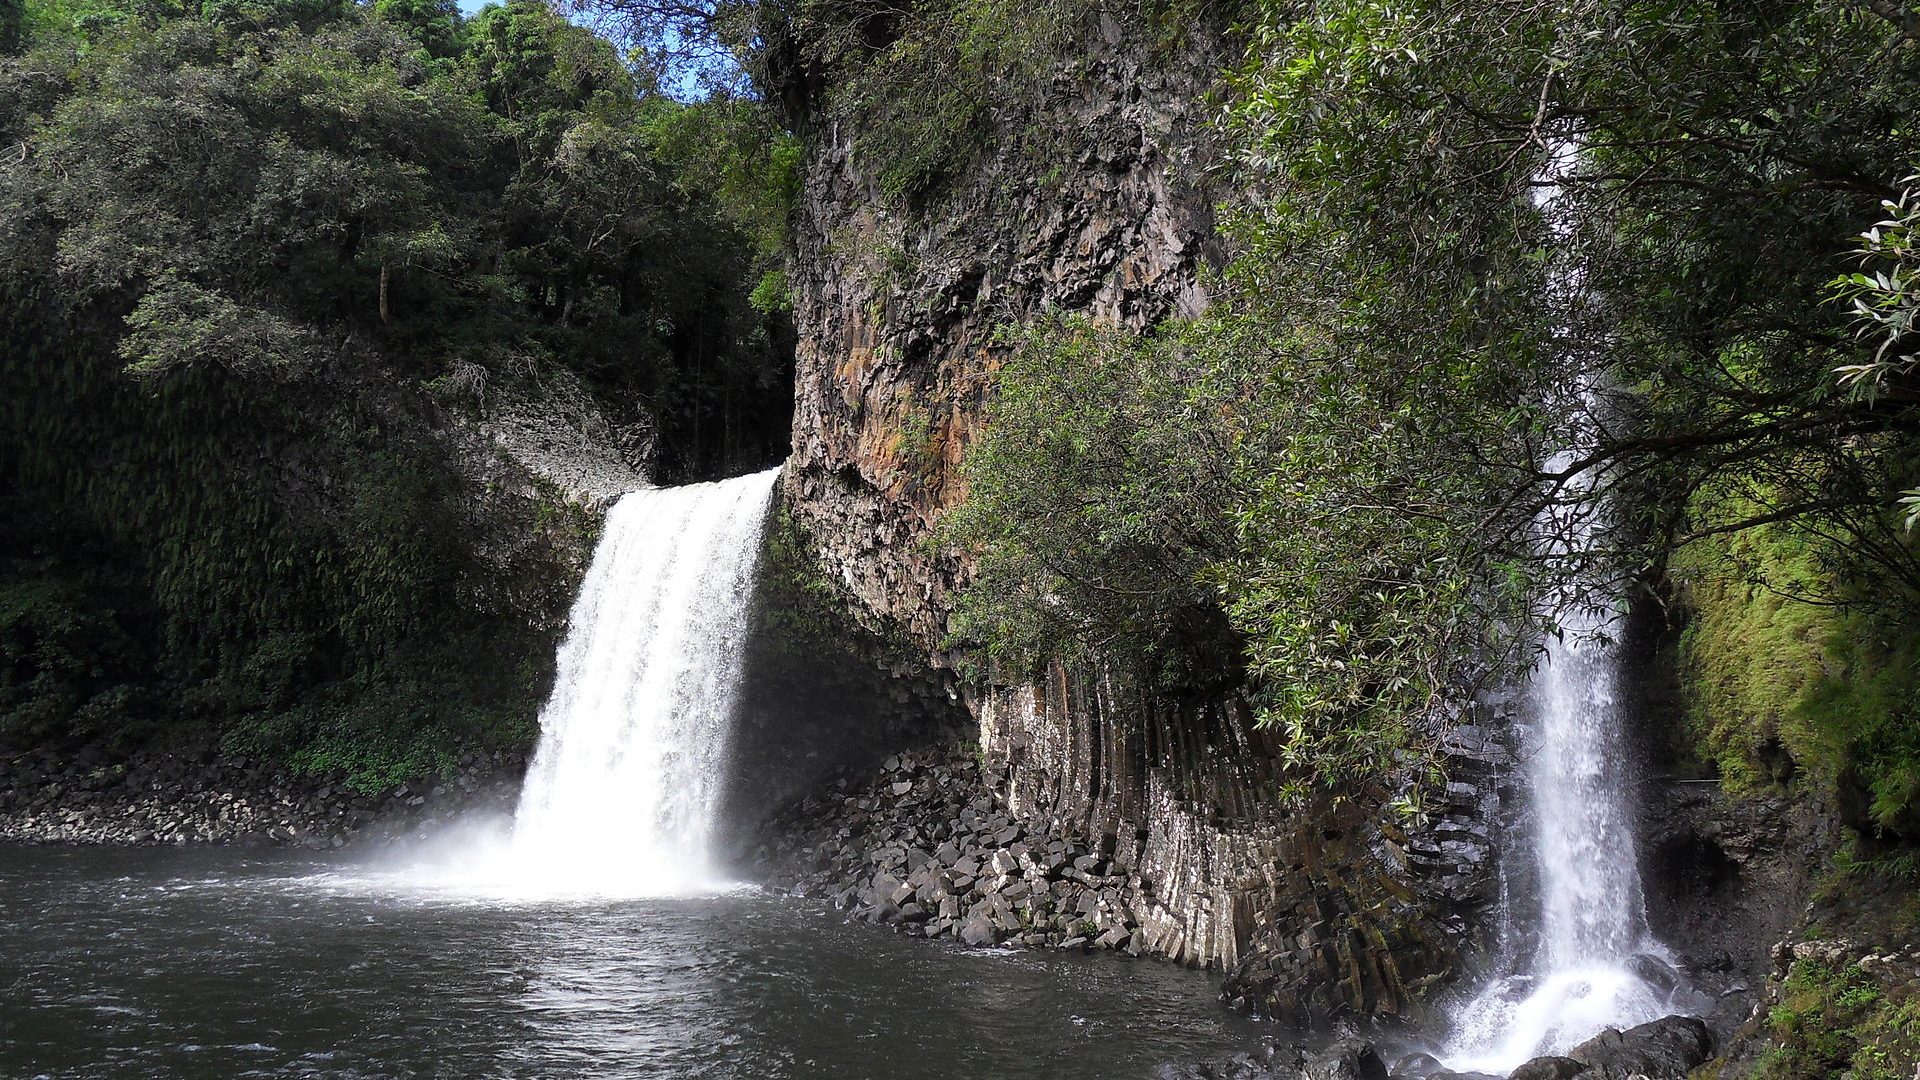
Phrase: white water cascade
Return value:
(625, 785)
(1591, 922)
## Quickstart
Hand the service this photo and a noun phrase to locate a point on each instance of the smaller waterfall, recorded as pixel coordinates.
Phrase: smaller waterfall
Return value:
(622, 794)
(1591, 921)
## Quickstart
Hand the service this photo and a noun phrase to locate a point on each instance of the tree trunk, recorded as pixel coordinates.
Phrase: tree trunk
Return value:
(386, 313)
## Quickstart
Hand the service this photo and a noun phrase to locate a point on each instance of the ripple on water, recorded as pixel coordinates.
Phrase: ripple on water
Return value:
(249, 964)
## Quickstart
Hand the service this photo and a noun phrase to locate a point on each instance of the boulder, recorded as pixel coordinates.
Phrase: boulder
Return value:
(1237, 1067)
(1549, 1067)
(978, 930)
(1417, 1066)
(1665, 1049)
(1655, 972)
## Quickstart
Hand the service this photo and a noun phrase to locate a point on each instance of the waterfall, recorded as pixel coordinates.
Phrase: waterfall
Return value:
(624, 787)
(1592, 940)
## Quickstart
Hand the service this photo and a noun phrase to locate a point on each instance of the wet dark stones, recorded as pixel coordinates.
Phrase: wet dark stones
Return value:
(925, 847)
(1665, 1049)
(195, 795)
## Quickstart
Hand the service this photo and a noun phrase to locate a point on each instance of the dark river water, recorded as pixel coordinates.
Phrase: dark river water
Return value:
(221, 963)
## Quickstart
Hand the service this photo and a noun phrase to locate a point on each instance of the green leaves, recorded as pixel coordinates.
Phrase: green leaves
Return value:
(1096, 501)
(177, 323)
(13, 26)
(1884, 300)
(1365, 422)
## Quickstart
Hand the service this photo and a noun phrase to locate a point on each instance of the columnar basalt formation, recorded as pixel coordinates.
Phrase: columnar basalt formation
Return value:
(898, 304)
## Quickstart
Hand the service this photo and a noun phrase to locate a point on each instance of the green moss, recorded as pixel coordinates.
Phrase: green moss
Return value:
(1840, 1023)
(1788, 680)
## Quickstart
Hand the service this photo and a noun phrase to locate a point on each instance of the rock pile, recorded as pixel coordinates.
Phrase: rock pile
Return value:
(925, 847)
(195, 795)
(1346, 1059)
(1666, 1049)
(1895, 968)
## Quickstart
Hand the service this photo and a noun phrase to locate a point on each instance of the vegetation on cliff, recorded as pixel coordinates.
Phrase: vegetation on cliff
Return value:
(1400, 340)
(264, 266)
(1332, 489)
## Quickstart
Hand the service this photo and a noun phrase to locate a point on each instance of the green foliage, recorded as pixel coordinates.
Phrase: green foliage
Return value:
(435, 24)
(1840, 1023)
(1097, 501)
(922, 86)
(730, 148)
(772, 294)
(1779, 685)
(71, 665)
(1428, 301)
(273, 14)
(178, 323)
(1169, 503)
(925, 86)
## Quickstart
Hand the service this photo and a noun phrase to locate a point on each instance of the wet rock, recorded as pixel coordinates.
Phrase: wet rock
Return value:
(1417, 1066)
(1550, 1067)
(979, 930)
(1655, 972)
(1668, 1047)
(1237, 1067)
(1347, 1059)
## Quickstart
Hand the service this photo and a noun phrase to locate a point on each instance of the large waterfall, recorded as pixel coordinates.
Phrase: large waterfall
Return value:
(622, 794)
(1589, 934)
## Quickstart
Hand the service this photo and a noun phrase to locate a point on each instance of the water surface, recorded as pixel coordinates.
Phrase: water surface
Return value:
(223, 963)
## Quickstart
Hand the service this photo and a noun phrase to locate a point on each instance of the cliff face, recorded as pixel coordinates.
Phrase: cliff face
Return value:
(897, 305)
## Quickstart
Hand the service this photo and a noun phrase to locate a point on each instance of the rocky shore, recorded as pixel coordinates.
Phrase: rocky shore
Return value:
(926, 848)
(197, 795)
(1666, 1049)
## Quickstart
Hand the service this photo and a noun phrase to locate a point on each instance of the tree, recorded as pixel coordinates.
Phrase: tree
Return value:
(435, 24)
(256, 268)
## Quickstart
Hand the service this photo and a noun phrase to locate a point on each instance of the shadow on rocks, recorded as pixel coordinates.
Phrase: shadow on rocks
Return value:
(1665, 1049)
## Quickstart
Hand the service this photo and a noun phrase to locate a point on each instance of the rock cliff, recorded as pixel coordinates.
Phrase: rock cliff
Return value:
(898, 302)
